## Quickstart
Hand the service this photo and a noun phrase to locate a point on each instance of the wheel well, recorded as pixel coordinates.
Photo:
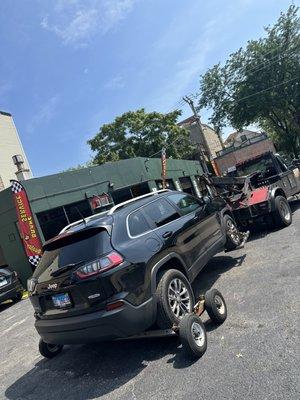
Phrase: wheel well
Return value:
(173, 263)
(279, 192)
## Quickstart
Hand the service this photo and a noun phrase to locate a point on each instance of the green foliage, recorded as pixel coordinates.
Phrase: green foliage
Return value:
(80, 166)
(260, 84)
(141, 134)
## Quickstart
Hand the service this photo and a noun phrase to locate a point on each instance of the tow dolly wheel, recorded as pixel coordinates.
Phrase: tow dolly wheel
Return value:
(215, 306)
(193, 336)
(49, 350)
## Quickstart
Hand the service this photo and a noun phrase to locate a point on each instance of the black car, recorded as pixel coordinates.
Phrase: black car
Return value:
(10, 285)
(116, 274)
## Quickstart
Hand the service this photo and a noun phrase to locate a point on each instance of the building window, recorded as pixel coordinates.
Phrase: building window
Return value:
(78, 210)
(186, 185)
(169, 183)
(52, 221)
(124, 194)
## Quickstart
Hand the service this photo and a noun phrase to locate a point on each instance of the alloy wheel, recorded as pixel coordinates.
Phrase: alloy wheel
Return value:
(179, 298)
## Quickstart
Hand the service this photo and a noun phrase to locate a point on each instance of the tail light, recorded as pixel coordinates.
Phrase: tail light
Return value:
(100, 265)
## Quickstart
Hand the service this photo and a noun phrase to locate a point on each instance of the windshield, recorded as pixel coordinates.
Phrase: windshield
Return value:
(84, 247)
(263, 165)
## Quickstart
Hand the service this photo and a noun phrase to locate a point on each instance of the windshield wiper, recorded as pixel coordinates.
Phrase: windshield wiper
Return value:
(65, 268)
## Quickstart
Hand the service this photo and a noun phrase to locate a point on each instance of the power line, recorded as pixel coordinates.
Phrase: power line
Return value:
(265, 90)
(252, 71)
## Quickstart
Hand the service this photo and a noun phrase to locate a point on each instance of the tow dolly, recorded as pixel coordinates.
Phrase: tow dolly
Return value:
(191, 330)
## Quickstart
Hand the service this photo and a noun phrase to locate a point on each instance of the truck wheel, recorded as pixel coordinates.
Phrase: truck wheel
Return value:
(233, 239)
(49, 350)
(282, 215)
(193, 336)
(175, 298)
(215, 306)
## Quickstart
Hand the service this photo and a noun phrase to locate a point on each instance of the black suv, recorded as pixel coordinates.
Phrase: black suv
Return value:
(118, 273)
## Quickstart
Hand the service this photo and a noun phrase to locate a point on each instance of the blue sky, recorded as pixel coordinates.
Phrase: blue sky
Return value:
(68, 66)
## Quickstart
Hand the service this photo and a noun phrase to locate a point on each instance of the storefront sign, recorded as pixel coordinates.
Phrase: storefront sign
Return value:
(99, 201)
(27, 228)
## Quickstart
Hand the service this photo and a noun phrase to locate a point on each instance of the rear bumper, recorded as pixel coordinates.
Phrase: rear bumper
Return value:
(11, 291)
(98, 326)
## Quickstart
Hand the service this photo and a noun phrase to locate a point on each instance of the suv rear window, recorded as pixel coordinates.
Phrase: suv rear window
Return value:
(161, 212)
(137, 223)
(81, 246)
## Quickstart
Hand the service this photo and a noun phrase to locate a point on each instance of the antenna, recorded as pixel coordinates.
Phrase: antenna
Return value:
(81, 216)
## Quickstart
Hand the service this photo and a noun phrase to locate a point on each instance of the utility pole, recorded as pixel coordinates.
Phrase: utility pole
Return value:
(190, 102)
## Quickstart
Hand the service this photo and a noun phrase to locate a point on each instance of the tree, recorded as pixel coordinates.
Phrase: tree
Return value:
(260, 84)
(137, 133)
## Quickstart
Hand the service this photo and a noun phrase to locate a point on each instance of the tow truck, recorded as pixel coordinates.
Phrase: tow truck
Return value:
(259, 189)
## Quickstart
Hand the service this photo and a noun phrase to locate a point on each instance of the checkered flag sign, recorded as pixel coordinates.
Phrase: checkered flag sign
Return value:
(26, 224)
(34, 260)
(16, 187)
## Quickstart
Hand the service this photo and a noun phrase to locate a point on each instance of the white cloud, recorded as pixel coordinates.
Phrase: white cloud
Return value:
(44, 114)
(75, 22)
(115, 83)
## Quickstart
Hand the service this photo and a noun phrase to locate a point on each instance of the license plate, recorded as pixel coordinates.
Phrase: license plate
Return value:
(61, 300)
(3, 282)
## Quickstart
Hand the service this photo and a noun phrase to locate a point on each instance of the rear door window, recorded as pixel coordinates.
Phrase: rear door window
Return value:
(74, 248)
(161, 212)
(185, 203)
(137, 223)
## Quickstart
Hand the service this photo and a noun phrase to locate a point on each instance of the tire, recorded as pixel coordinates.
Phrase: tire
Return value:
(233, 239)
(282, 215)
(166, 288)
(193, 336)
(18, 297)
(49, 350)
(215, 306)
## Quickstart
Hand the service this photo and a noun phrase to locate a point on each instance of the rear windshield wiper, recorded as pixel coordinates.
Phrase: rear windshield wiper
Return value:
(65, 268)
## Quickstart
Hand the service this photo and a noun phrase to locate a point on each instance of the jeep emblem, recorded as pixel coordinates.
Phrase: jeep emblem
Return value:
(52, 286)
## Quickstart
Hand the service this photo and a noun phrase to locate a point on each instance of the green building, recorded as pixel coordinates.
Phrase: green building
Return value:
(59, 199)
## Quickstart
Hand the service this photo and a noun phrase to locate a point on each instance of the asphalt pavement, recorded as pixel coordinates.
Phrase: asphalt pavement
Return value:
(253, 355)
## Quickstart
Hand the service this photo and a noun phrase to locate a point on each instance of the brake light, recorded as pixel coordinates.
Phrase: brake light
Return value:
(100, 265)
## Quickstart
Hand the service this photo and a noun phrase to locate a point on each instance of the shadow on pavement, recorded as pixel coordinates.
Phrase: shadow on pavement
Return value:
(214, 269)
(6, 305)
(295, 205)
(91, 371)
(261, 229)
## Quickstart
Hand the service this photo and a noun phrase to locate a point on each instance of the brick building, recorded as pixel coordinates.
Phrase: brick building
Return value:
(213, 140)
(230, 156)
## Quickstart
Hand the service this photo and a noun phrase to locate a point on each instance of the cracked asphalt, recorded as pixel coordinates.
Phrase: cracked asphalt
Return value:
(253, 355)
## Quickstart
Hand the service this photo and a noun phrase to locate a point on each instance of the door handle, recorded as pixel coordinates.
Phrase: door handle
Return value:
(167, 234)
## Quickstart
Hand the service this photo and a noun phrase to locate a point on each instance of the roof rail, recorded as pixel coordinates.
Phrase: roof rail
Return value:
(114, 208)
(80, 221)
(111, 211)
